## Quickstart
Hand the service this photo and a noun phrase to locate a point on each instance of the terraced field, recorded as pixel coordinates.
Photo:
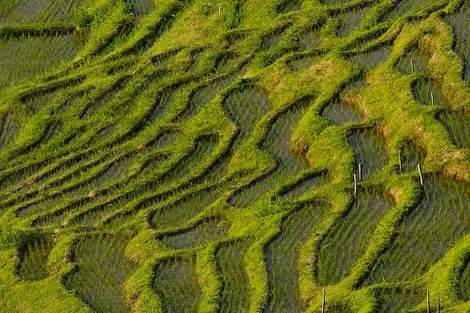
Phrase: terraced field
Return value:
(234, 156)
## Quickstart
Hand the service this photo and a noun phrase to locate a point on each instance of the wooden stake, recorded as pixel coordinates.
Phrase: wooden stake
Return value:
(432, 98)
(428, 304)
(360, 171)
(399, 161)
(220, 10)
(420, 175)
(355, 185)
(412, 66)
(438, 304)
(323, 303)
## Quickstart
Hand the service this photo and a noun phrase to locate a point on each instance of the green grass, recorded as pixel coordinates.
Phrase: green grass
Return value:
(167, 156)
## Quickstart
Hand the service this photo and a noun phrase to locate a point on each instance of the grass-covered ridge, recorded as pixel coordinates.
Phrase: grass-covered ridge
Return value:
(200, 155)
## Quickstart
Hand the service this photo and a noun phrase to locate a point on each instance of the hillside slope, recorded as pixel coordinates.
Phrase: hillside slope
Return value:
(234, 155)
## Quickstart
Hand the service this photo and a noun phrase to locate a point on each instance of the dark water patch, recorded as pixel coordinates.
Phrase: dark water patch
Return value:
(230, 258)
(356, 84)
(277, 143)
(71, 100)
(153, 164)
(176, 284)
(38, 99)
(301, 63)
(410, 156)
(195, 57)
(245, 108)
(105, 97)
(349, 21)
(162, 103)
(114, 171)
(163, 58)
(413, 62)
(427, 233)
(273, 39)
(27, 57)
(373, 58)
(282, 256)
(121, 67)
(461, 27)
(184, 209)
(347, 241)
(288, 6)
(338, 113)
(205, 94)
(369, 150)
(141, 7)
(33, 258)
(310, 40)
(164, 139)
(207, 231)
(334, 2)
(29, 12)
(427, 92)
(303, 186)
(407, 7)
(225, 62)
(458, 125)
(107, 132)
(10, 130)
(464, 283)
(18, 176)
(399, 299)
(54, 129)
(202, 150)
(101, 269)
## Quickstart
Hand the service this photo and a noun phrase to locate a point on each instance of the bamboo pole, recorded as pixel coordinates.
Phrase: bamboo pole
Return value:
(420, 175)
(323, 303)
(355, 184)
(412, 66)
(438, 304)
(360, 171)
(399, 161)
(432, 98)
(428, 304)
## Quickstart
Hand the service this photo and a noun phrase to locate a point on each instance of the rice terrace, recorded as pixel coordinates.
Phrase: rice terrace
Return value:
(234, 156)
